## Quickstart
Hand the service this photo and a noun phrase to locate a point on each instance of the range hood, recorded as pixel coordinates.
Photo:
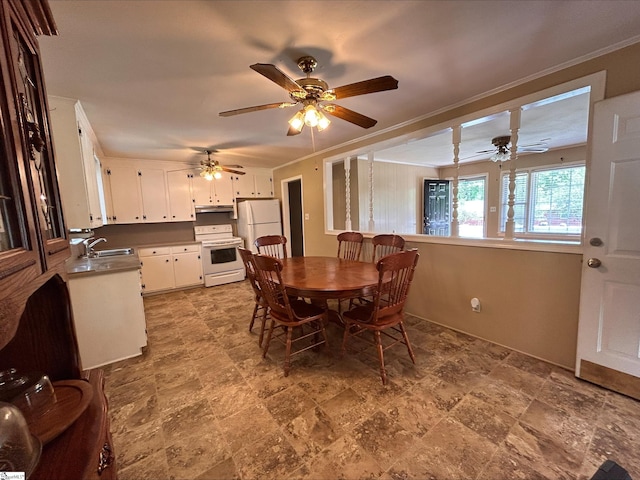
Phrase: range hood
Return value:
(213, 208)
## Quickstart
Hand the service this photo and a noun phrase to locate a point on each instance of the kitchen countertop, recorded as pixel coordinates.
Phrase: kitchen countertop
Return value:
(93, 266)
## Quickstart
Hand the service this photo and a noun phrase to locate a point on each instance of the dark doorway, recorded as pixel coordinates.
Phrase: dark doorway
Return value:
(436, 219)
(295, 218)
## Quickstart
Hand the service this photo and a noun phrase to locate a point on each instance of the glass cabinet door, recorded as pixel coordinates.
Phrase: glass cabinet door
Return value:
(11, 234)
(33, 126)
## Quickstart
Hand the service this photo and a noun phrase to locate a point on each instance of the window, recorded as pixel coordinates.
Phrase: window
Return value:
(547, 201)
(471, 206)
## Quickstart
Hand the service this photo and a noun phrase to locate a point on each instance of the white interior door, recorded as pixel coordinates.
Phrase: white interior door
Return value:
(609, 325)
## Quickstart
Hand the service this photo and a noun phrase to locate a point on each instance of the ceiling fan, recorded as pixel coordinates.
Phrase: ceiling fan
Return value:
(502, 150)
(211, 169)
(311, 92)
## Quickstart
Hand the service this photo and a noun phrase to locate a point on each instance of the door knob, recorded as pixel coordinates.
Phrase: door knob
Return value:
(594, 262)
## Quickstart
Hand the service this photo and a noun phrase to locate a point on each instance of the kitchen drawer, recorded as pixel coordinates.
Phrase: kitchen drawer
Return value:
(195, 248)
(152, 251)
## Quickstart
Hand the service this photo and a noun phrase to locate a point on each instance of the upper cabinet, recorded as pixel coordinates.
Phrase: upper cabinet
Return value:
(124, 202)
(135, 194)
(153, 190)
(78, 164)
(253, 186)
(180, 197)
(213, 192)
(149, 191)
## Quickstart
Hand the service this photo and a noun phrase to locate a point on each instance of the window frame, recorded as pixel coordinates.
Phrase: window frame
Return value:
(528, 205)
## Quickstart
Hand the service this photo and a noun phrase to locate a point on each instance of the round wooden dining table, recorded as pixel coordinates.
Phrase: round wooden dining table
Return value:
(325, 278)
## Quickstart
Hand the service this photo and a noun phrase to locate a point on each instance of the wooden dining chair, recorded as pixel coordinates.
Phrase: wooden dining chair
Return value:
(350, 245)
(272, 245)
(349, 248)
(261, 306)
(385, 244)
(288, 314)
(385, 315)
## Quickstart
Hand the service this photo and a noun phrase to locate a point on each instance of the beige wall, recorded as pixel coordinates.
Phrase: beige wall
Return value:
(530, 299)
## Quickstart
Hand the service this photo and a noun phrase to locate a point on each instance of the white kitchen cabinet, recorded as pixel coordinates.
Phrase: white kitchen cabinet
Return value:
(124, 193)
(244, 186)
(187, 265)
(253, 186)
(157, 269)
(78, 166)
(212, 192)
(224, 189)
(181, 200)
(108, 315)
(153, 191)
(264, 186)
(136, 195)
(165, 268)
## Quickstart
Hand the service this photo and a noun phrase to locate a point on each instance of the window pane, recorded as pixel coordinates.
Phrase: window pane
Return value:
(556, 200)
(520, 201)
(471, 207)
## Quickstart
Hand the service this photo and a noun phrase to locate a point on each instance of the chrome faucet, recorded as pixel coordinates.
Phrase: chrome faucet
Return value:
(88, 245)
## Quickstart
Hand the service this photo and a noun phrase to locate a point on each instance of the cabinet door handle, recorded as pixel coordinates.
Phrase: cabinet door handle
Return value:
(166, 261)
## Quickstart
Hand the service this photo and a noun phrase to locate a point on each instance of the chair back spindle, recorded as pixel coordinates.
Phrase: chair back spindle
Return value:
(272, 245)
(386, 244)
(350, 245)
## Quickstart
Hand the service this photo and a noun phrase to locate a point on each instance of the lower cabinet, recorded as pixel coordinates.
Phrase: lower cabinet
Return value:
(108, 314)
(166, 268)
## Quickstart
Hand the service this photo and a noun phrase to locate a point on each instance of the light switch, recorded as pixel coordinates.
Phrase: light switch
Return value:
(492, 209)
(306, 216)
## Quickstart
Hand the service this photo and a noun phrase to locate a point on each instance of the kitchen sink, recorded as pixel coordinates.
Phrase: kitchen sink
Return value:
(112, 253)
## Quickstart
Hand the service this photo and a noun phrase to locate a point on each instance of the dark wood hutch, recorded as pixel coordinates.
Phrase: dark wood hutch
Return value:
(36, 324)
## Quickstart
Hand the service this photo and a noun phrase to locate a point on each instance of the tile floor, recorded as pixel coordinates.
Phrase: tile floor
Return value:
(201, 403)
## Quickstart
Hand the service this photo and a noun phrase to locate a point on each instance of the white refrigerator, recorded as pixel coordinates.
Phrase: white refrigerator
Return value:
(257, 218)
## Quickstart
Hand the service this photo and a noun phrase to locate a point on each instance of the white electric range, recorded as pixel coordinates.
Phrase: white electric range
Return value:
(221, 261)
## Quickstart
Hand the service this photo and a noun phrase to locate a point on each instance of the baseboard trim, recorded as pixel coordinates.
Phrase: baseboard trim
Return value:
(612, 379)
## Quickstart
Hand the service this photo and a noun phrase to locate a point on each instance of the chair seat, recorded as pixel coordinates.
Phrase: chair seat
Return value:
(305, 310)
(362, 314)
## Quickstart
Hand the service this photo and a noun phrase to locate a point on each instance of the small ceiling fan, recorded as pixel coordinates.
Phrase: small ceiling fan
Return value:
(311, 92)
(502, 150)
(211, 169)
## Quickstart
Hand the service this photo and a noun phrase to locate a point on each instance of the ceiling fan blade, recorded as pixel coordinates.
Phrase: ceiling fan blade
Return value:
(533, 149)
(276, 75)
(373, 85)
(238, 111)
(292, 131)
(231, 170)
(350, 116)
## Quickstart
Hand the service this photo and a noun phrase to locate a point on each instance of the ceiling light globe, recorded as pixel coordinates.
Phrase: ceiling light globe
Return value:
(311, 117)
(207, 174)
(323, 123)
(217, 175)
(297, 121)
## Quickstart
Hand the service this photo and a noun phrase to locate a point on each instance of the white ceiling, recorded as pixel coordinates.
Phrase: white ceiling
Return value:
(153, 75)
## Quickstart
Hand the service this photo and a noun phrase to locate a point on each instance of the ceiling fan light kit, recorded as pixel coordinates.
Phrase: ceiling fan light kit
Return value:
(211, 169)
(503, 152)
(310, 92)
